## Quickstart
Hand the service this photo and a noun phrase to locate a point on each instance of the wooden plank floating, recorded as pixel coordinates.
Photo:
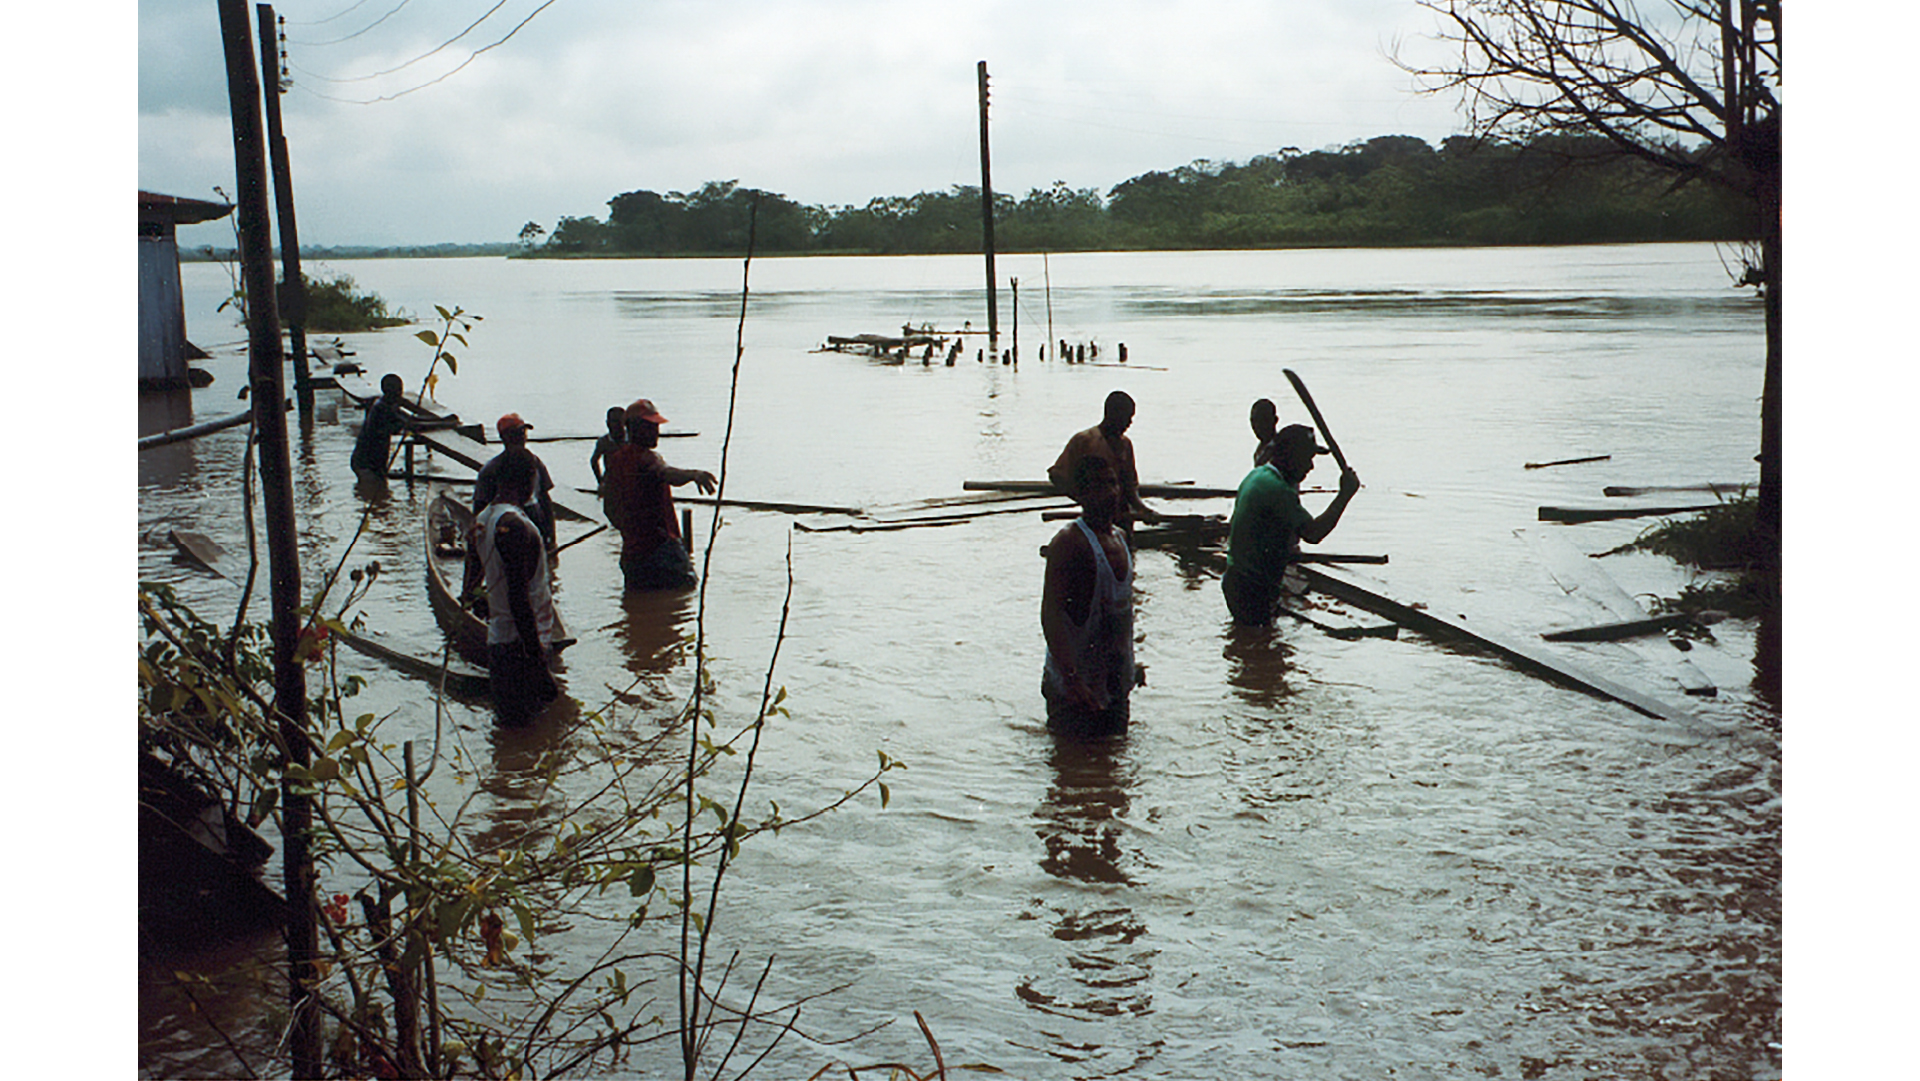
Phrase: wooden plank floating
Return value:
(1569, 461)
(1333, 623)
(754, 504)
(1150, 491)
(463, 444)
(1603, 514)
(1577, 574)
(1618, 491)
(203, 551)
(192, 431)
(1530, 658)
(880, 527)
(1626, 628)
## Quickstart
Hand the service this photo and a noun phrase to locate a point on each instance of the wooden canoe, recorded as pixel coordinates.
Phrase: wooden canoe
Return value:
(448, 524)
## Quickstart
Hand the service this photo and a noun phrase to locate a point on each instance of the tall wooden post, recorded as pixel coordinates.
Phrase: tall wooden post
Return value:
(266, 378)
(293, 287)
(986, 220)
(1015, 282)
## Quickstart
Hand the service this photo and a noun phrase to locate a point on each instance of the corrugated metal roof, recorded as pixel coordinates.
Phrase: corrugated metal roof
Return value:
(155, 207)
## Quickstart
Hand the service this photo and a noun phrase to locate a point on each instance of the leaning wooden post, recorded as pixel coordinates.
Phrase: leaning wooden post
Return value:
(266, 379)
(293, 287)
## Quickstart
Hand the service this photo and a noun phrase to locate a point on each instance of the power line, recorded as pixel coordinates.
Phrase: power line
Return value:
(350, 9)
(471, 57)
(362, 30)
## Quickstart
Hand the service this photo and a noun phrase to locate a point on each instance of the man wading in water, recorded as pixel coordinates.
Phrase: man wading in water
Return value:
(1086, 613)
(1107, 440)
(637, 493)
(521, 618)
(1269, 523)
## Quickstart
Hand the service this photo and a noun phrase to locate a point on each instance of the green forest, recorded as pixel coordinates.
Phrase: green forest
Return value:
(1392, 190)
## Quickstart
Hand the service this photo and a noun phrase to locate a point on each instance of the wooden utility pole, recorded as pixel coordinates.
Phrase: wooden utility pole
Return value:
(293, 287)
(266, 378)
(1047, 270)
(986, 219)
(1015, 282)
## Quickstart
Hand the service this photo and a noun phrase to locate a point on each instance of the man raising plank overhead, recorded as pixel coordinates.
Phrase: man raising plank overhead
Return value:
(1269, 523)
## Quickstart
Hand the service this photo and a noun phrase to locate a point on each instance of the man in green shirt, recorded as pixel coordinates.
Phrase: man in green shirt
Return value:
(1269, 523)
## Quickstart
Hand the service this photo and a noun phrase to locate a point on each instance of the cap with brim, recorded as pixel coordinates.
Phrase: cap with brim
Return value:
(1298, 434)
(644, 410)
(510, 420)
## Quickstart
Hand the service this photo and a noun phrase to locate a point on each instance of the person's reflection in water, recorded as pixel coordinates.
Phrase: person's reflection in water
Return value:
(1103, 968)
(1257, 664)
(651, 632)
(522, 806)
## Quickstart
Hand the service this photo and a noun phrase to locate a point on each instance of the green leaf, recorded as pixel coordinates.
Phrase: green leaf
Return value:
(525, 915)
(640, 883)
(429, 337)
(325, 769)
(451, 366)
(444, 313)
(885, 795)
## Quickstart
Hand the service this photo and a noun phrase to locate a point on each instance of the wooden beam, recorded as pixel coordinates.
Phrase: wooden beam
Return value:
(1569, 461)
(1618, 491)
(1534, 659)
(1152, 491)
(1602, 514)
(1613, 632)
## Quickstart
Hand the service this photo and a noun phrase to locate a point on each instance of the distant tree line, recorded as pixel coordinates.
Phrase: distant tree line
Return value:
(1389, 190)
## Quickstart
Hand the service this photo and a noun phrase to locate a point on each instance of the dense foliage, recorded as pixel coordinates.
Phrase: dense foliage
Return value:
(1390, 190)
(337, 306)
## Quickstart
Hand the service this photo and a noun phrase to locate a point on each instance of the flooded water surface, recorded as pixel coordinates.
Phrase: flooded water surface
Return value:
(1310, 858)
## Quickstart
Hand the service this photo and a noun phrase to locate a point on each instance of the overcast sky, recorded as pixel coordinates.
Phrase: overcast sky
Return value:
(828, 102)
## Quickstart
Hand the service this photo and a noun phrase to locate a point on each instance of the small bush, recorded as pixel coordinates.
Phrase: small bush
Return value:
(1719, 539)
(335, 306)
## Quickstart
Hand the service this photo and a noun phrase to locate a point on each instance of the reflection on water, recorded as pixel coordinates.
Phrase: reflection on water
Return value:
(1103, 967)
(1256, 663)
(163, 411)
(652, 632)
(525, 804)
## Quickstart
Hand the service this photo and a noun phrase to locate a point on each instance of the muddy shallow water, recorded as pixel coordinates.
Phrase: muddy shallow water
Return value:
(1311, 858)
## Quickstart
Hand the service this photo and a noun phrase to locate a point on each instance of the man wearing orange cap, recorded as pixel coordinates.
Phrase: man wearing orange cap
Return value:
(539, 506)
(637, 493)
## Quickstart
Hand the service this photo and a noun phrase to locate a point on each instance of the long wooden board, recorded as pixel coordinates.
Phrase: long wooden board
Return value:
(1602, 514)
(455, 444)
(1621, 491)
(1579, 575)
(1150, 491)
(1530, 658)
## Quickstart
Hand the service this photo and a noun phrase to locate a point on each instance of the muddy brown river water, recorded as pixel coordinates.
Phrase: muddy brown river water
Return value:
(1311, 858)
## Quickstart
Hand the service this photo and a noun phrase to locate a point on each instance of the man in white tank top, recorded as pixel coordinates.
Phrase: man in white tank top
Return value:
(521, 618)
(1086, 612)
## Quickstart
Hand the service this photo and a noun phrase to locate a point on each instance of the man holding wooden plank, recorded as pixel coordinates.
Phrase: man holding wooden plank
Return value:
(1269, 523)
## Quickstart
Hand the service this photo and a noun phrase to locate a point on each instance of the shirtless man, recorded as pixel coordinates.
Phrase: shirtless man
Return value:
(1086, 613)
(1265, 419)
(1107, 440)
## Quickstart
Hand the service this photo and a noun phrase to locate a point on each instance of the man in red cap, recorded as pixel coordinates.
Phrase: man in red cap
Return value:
(637, 493)
(539, 505)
